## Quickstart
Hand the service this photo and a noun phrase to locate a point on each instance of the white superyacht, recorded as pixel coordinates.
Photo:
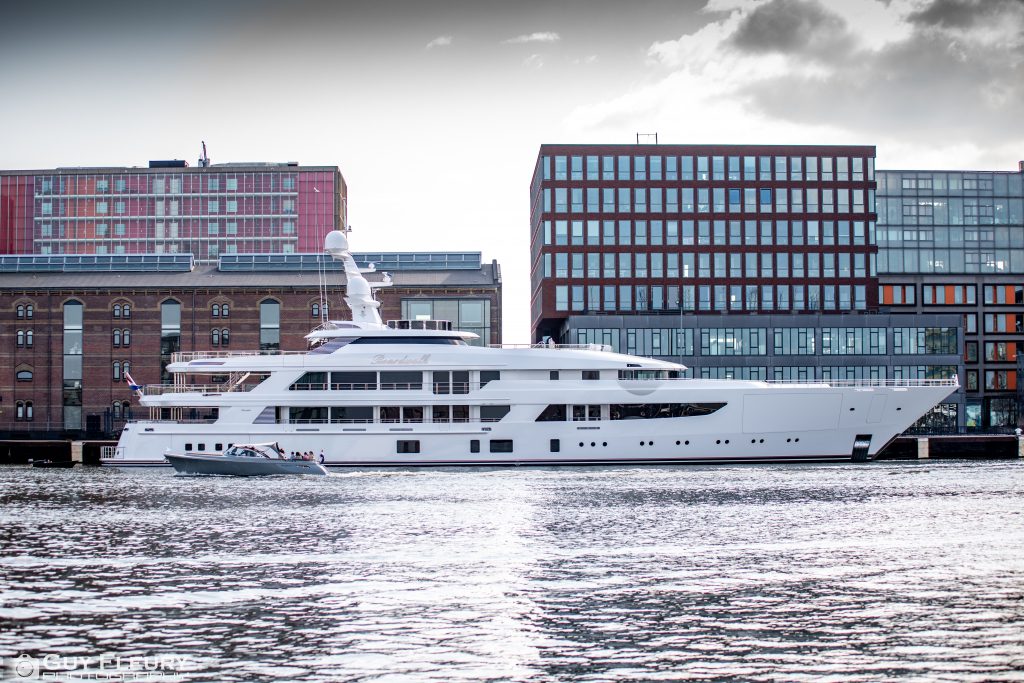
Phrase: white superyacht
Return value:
(414, 393)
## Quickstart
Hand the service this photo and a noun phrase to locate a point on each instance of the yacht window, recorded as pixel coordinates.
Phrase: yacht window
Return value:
(553, 413)
(188, 447)
(311, 381)
(493, 413)
(408, 446)
(390, 413)
(451, 382)
(353, 381)
(412, 414)
(345, 414)
(591, 374)
(474, 445)
(489, 376)
(441, 414)
(401, 380)
(307, 414)
(554, 374)
(555, 445)
(645, 411)
(331, 346)
(579, 413)
(202, 447)
(642, 374)
(450, 341)
(501, 445)
(460, 413)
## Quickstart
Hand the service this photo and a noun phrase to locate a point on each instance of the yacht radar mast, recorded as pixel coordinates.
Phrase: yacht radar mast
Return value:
(358, 291)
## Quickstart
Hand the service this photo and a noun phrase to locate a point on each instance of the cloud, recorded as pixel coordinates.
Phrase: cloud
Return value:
(541, 37)
(440, 41)
(916, 76)
(792, 27)
(534, 61)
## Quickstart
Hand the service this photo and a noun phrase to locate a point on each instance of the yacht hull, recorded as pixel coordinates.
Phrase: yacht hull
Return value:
(759, 423)
(239, 467)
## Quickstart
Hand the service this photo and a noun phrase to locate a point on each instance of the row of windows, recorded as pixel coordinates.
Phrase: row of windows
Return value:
(735, 265)
(933, 294)
(88, 229)
(943, 182)
(949, 211)
(980, 237)
(783, 341)
(121, 311)
(84, 207)
(611, 298)
(953, 261)
(719, 232)
(805, 373)
(687, 167)
(159, 184)
(25, 338)
(391, 414)
(706, 200)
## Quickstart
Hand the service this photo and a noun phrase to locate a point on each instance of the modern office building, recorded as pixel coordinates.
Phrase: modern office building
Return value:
(953, 241)
(72, 327)
(170, 208)
(745, 261)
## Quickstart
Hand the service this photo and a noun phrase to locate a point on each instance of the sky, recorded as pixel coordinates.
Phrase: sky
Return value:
(435, 111)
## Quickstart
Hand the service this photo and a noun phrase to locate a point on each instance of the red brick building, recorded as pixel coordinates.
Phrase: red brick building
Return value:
(67, 338)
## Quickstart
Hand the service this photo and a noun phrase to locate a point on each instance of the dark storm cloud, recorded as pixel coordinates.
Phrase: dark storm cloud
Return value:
(963, 13)
(793, 26)
(936, 85)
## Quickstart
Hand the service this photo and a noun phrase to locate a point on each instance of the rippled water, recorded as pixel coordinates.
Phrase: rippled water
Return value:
(872, 572)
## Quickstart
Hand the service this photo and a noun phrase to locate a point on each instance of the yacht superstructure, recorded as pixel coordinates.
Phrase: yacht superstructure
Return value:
(412, 393)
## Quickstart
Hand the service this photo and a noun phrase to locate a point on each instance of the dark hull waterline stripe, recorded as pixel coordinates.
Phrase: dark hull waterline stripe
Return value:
(537, 463)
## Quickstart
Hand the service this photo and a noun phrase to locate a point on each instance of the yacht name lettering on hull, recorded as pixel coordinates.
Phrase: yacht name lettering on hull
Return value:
(381, 359)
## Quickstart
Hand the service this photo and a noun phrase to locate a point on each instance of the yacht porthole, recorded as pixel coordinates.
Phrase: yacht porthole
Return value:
(686, 443)
(592, 444)
(788, 440)
(727, 440)
(677, 443)
(718, 441)
(762, 440)
(604, 443)
(581, 444)
(753, 441)
(798, 438)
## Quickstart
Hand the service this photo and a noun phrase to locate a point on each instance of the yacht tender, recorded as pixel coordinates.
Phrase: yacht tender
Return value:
(412, 393)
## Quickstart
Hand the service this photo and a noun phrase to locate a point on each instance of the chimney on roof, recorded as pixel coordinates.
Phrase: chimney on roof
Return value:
(1020, 166)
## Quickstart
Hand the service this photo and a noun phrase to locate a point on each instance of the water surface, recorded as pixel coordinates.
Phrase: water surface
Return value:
(870, 572)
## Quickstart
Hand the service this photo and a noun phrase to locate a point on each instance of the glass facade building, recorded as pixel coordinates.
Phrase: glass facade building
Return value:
(739, 261)
(206, 210)
(953, 241)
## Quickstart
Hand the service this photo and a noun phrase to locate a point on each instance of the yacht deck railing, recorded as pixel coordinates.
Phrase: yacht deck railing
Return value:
(185, 356)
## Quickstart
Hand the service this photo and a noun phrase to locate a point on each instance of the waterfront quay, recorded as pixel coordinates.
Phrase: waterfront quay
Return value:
(907, 447)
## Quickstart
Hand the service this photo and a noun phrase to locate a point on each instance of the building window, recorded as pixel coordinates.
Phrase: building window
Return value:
(24, 375)
(170, 335)
(270, 326)
(72, 384)
(23, 410)
(215, 337)
(116, 371)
